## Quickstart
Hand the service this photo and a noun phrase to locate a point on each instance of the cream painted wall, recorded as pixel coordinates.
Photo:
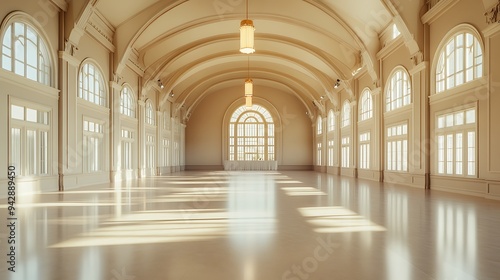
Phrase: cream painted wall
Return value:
(204, 129)
(493, 112)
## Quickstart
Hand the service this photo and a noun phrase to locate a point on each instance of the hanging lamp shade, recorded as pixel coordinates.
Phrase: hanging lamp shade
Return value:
(248, 100)
(247, 36)
(248, 87)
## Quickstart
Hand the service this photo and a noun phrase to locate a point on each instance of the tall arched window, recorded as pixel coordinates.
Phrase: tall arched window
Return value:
(331, 138)
(25, 53)
(319, 125)
(251, 134)
(331, 121)
(91, 85)
(346, 114)
(460, 61)
(366, 106)
(150, 116)
(398, 92)
(127, 105)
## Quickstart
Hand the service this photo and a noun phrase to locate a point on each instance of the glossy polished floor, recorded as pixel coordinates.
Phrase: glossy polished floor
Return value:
(253, 226)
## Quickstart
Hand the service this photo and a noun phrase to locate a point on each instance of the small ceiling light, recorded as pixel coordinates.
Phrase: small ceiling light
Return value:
(247, 35)
(337, 84)
(160, 84)
(172, 94)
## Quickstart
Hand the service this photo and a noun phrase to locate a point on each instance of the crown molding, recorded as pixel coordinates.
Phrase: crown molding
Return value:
(438, 10)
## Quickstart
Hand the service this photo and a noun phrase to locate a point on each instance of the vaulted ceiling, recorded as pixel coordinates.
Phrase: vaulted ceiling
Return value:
(191, 46)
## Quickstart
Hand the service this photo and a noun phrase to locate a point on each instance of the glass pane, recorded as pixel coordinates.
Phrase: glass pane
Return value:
(17, 112)
(458, 154)
(31, 115)
(44, 147)
(449, 120)
(449, 154)
(470, 116)
(459, 118)
(15, 148)
(441, 122)
(31, 152)
(441, 154)
(471, 153)
(6, 60)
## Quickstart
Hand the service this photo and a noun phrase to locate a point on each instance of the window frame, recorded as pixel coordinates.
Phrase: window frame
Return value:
(394, 99)
(364, 143)
(366, 105)
(127, 102)
(319, 126)
(391, 143)
(149, 113)
(439, 58)
(444, 132)
(43, 46)
(90, 136)
(346, 114)
(42, 139)
(98, 78)
(346, 152)
(237, 149)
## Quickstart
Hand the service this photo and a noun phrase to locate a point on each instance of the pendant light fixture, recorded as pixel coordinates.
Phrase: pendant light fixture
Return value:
(248, 81)
(247, 34)
(248, 87)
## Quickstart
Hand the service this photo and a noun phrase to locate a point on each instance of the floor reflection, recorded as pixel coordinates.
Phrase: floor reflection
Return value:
(253, 226)
(456, 247)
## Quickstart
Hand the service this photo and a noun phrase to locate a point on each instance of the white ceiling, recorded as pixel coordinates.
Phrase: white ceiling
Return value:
(192, 46)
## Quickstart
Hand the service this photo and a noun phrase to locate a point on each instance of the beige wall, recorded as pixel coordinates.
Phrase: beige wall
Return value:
(204, 144)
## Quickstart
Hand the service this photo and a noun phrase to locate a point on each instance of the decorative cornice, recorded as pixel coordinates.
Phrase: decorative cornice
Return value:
(390, 48)
(133, 63)
(116, 86)
(419, 68)
(376, 91)
(73, 61)
(100, 29)
(492, 14)
(491, 31)
(438, 10)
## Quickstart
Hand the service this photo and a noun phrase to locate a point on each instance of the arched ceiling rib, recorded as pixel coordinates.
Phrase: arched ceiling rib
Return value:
(192, 45)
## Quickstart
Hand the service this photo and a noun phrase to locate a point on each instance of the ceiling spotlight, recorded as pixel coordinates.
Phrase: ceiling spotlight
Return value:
(322, 97)
(337, 84)
(160, 84)
(172, 94)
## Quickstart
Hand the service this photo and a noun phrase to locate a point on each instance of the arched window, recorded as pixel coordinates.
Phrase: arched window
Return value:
(460, 61)
(127, 105)
(25, 53)
(366, 106)
(150, 119)
(91, 85)
(251, 134)
(331, 121)
(398, 90)
(319, 126)
(346, 114)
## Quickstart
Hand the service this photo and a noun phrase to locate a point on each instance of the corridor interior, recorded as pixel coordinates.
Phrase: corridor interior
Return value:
(254, 226)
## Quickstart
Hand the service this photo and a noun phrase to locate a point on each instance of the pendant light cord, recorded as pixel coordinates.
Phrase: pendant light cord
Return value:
(247, 9)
